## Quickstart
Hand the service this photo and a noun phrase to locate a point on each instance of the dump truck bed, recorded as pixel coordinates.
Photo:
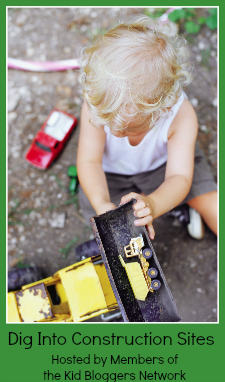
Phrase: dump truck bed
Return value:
(113, 231)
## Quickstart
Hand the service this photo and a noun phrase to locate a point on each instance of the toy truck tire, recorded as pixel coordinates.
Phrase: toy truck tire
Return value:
(156, 284)
(153, 273)
(147, 253)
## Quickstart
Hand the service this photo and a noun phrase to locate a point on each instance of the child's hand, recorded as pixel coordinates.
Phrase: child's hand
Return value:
(142, 210)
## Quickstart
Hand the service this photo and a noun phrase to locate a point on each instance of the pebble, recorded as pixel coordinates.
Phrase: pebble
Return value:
(40, 250)
(28, 108)
(194, 102)
(58, 220)
(12, 116)
(198, 58)
(193, 264)
(59, 196)
(22, 238)
(37, 203)
(199, 290)
(77, 100)
(201, 45)
(83, 28)
(52, 178)
(13, 99)
(42, 222)
(67, 49)
(30, 52)
(39, 181)
(34, 79)
(204, 128)
(21, 19)
(214, 102)
(20, 228)
(94, 14)
(213, 38)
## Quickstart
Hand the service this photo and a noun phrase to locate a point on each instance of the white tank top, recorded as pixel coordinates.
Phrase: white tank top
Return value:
(120, 157)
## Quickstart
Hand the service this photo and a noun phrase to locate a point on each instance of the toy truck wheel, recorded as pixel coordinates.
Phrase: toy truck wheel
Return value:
(156, 284)
(147, 253)
(153, 273)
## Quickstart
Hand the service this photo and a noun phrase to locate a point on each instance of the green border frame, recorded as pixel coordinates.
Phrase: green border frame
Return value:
(201, 363)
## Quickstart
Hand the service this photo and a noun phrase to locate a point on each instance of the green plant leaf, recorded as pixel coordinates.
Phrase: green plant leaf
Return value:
(201, 20)
(211, 22)
(177, 14)
(190, 13)
(156, 14)
(192, 27)
(213, 11)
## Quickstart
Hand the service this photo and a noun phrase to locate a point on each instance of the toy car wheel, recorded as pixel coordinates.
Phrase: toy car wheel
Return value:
(156, 284)
(147, 253)
(153, 273)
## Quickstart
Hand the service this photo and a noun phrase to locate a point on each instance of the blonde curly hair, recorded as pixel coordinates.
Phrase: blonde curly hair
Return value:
(135, 71)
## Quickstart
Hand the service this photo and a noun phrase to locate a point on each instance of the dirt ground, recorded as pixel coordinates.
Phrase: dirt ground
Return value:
(45, 222)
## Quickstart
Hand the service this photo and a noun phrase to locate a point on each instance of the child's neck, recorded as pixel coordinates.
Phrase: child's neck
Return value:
(134, 141)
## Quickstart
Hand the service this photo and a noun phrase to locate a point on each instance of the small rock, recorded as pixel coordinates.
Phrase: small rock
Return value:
(213, 38)
(12, 203)
(193, 264)
(94, 14)
(59, 196)
(22, 238)
(39, 181)
(42, 222)
(30, 51)
(34, 79)
(21, 19)
(20, 228)
(77, 100)
(13, 100)
(12, 116)
(40, 250)
(194, 102)
(199, 290)
(214, 102)
(201, 45)
(198, 58)
(28, 108)
(204, 128)
(67, 49)
(37, 203)
(58, 220)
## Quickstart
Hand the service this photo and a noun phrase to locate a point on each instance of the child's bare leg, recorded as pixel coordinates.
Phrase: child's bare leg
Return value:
(206, 205)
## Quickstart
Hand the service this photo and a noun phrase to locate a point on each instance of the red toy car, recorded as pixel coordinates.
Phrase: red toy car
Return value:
(50, 140)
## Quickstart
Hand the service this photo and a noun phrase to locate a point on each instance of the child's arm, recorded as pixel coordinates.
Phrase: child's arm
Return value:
(179, 170)
(89, 164)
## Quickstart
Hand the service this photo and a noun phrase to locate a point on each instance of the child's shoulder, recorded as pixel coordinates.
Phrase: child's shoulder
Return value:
(185, 120)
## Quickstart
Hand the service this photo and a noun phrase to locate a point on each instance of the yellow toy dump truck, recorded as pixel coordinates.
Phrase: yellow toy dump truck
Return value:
(140, 275)
(73, 294)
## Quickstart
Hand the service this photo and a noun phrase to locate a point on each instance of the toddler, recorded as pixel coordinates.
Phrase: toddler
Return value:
(138, 129)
